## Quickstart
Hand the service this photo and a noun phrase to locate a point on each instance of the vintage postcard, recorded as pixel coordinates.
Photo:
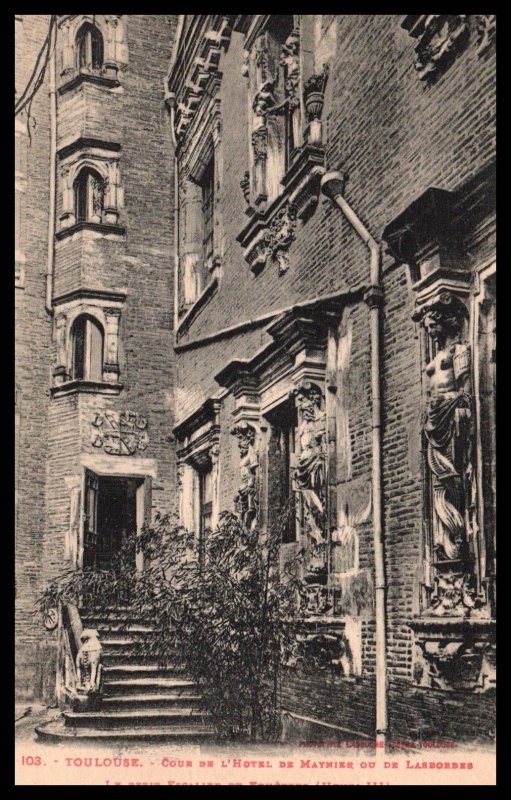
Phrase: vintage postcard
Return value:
(255, 286)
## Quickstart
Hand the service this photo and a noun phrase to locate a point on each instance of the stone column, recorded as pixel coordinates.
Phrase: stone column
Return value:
(62, 368)
(111, 368)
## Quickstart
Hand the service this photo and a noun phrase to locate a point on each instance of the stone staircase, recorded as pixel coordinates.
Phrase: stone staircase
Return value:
(141, 699)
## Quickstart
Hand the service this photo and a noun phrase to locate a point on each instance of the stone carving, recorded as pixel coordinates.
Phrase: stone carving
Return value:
(88, 663)
(119, 432)
(246, 499)
(448, 426)
(314, 93)
(264, 99)
(345, 538)
(260, 143)
(281, 235)
(440, 37)
(486, 28)
(290, 60)
(245, 67)
(245, 186)
(454, 595)
(262, 58)
(314, 598)
(322, 651)
(309, 474)
(455, 664)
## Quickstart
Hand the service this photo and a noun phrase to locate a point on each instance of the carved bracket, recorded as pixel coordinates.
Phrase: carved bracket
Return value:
(454, 658)
(324, 650)
(440, 37)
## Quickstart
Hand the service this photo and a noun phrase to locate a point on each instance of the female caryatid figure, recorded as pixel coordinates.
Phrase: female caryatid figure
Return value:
(447, 424)
(246, 499)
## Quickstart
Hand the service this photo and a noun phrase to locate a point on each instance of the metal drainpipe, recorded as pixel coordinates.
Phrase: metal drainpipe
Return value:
(332, 185)
(170, 100)
(53, 159)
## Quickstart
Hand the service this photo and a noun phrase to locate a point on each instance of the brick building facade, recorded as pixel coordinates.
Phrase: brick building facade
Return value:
(94, 358)
(293, 269)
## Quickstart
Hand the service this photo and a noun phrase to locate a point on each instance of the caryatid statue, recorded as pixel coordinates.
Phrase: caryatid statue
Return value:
(246, 499)
(447, 424)
(309, 476)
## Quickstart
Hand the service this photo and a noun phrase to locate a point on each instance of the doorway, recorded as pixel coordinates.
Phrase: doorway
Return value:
(113, 510)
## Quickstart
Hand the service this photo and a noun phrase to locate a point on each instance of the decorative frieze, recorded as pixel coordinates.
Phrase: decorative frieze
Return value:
(440, 37)
(119, 433)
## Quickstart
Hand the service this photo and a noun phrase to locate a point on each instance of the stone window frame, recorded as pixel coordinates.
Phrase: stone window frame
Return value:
(273, 222)
(102, 158)
(198, 450)
(297, 359)
(201, 148)
(84, 365)
(111, 27)
(105, 309)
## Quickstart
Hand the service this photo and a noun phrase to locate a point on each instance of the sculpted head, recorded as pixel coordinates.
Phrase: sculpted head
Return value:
(442, 319)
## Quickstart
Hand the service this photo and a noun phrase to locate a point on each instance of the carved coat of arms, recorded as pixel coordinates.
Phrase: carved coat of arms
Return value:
(119, 433)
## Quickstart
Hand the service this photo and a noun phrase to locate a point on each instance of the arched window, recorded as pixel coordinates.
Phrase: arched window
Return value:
(89, 47)
(89, 189)
(87, 337)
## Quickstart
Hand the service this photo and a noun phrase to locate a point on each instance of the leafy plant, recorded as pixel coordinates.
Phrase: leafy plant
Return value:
(223, 609)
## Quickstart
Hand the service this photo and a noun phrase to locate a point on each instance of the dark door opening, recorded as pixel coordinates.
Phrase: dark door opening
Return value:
(110, 516)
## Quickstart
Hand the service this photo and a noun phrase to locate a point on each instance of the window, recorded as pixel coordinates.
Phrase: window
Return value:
(87, 350)
(89, 196)
(205, 500)
(197, 232)
(208, 199)
(281, 496)
(89, 47)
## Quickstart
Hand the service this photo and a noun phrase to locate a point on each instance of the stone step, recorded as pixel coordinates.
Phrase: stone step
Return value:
(156, 700)
(115, 671)
(126, 657)
(127, 686)
(57, 730)
(133, 718)
(122, 625)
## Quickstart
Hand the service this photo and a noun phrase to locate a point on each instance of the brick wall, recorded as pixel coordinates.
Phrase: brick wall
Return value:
(54, 433)
(395, 137)
(33, 339)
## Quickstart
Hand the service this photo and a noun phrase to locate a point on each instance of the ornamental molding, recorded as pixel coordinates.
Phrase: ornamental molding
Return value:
(190, 86)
